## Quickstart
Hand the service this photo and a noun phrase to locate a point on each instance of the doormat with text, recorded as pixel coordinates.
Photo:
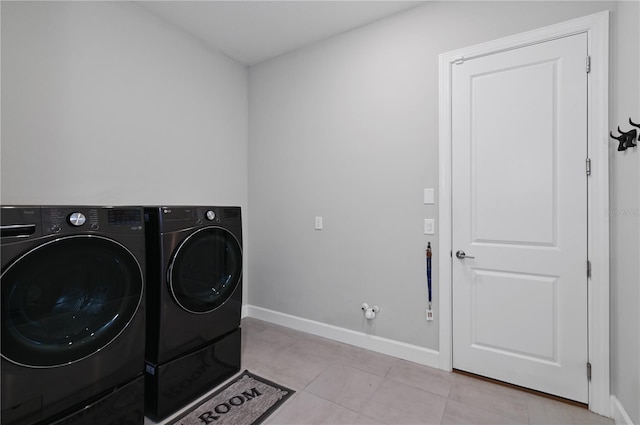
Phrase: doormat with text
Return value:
(247, 400)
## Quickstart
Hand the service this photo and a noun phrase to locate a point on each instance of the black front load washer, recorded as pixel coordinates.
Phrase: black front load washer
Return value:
(194, 301)
(73, 317)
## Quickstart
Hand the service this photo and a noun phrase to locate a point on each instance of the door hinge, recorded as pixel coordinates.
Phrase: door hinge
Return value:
(588, 269)
(588, 64)
(589, 371)
(588, 166)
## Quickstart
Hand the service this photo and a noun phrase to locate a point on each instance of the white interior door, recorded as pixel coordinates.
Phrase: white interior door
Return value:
(519, 208)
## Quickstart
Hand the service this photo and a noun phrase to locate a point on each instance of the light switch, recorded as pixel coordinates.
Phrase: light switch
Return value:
(319, 223)
(429, 226)
(429, 195)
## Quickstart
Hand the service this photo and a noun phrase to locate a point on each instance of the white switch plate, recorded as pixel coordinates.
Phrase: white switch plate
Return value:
(319, 223)
(429, 226)
(429, 196)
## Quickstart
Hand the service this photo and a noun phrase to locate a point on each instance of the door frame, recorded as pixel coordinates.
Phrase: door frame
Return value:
(597, 28)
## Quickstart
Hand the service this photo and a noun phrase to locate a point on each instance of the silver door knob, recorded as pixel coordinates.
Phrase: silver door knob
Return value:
(461, 255)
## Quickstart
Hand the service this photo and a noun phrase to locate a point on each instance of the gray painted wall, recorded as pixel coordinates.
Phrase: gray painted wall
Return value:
(347, 129)
(102, 103)
(625, 212)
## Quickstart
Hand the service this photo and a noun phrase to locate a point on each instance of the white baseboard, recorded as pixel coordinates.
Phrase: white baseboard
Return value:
(378, 344)
(618, 413)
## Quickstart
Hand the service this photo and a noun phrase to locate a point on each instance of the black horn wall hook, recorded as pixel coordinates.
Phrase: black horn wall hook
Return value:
(635, 125)
(627, 139)
(622, 139)
(630, 137)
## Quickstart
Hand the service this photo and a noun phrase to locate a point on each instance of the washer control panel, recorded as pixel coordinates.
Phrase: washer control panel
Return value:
(103, 219)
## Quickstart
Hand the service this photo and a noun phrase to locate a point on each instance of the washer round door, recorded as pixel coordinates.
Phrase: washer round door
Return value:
(67, 299)
(205, 270)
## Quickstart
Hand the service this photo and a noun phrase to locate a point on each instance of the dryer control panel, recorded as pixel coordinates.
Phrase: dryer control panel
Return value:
(178, 218)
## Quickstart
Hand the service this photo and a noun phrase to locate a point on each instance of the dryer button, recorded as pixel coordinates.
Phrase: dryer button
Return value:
(210, 215)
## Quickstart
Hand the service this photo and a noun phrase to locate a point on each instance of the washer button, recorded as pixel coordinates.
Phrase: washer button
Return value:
(77, 219)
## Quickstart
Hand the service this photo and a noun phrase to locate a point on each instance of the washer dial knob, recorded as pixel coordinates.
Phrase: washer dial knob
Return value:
(77, 219)
(210, 215)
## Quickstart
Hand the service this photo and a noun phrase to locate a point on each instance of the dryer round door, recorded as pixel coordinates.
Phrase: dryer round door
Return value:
(67, 299)
(205, 270)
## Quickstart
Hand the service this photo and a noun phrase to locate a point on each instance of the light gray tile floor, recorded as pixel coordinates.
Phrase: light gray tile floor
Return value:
(340, 384)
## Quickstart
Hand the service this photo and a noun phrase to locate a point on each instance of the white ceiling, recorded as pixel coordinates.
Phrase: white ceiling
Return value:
(251, 31)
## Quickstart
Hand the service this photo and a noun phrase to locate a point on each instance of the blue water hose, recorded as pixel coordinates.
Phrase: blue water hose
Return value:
(429, 272)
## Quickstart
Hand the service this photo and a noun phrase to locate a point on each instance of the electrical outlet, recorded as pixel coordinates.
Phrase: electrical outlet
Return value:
(429, 315)
(429, 226)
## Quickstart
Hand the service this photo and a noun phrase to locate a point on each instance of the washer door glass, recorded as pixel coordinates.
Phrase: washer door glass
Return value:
(67, 299)
(205, 270)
